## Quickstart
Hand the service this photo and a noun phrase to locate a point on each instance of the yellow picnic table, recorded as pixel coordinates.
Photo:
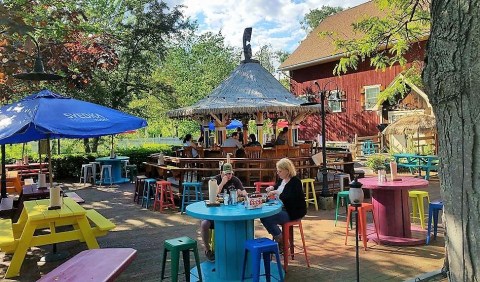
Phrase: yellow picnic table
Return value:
(19, 237)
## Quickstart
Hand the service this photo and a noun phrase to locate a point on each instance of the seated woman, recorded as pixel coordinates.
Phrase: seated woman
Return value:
(253, 141)
(187, 142)
(289, 190)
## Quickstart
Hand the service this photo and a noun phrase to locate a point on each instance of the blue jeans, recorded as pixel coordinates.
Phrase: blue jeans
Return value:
(271, 223)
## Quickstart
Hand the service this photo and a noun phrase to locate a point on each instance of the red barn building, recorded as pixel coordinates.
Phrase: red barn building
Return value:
(315, 59)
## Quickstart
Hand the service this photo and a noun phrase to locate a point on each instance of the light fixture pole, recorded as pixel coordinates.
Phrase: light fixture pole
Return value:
(325, 96)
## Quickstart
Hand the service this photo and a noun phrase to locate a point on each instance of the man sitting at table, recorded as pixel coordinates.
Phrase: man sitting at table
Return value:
(232, 141)
(226, 181)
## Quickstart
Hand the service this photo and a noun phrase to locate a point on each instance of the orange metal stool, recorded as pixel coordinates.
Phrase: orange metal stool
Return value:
(362, 221)
(288, 244)
(259, 185)
(164, 196)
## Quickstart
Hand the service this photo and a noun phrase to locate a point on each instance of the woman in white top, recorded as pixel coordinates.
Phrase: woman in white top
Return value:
(187, 142)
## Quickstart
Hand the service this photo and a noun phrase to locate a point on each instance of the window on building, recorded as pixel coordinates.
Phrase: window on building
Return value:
(335, 106)
(371, 94)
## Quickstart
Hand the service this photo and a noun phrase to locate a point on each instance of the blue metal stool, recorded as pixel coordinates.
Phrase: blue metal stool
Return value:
(264, 247)
(148, 193)
(433, 209)
(192, 192)
(342, 195)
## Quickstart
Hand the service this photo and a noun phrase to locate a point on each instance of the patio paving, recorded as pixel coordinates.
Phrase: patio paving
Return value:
(145, 231)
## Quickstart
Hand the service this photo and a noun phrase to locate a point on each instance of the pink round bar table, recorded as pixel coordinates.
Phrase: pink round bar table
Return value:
(391, 209)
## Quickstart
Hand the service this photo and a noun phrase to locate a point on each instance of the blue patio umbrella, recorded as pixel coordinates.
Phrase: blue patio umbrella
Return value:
(47, 115)
(232, 125)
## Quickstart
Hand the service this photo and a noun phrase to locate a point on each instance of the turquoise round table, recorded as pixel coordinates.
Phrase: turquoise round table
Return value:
(117, 169)
(233, 226)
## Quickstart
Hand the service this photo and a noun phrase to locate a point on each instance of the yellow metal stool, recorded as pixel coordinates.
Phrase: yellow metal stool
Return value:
(309, 188)
(418, 208)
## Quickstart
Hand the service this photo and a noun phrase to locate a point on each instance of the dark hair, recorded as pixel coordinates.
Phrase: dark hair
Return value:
(234, 134)
(285, 129)
(252, 137)
(188, 137)
(239, 128)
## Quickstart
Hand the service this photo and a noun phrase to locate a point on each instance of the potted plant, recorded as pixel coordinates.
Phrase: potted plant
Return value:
(378, 162)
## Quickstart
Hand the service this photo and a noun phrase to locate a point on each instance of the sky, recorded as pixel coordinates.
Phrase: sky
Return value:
(275, 22)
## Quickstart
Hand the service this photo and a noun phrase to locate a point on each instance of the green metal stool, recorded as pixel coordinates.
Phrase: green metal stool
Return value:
(175, 246)
(132, 172)
(342, 195)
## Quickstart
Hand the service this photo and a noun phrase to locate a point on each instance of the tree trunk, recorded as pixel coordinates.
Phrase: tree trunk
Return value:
(452, 79)
(95, 144)
(86, 145)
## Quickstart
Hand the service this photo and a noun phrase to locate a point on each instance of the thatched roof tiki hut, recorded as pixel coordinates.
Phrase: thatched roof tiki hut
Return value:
(250, 91)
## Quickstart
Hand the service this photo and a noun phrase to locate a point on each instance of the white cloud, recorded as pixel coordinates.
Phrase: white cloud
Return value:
(275, 22)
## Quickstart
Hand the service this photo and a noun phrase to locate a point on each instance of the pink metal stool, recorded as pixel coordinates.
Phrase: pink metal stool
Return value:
(164, 196)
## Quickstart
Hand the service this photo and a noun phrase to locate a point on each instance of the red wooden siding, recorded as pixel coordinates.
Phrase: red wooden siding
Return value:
(353, 119)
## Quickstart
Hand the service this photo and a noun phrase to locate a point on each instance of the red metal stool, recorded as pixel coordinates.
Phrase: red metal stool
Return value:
(164, 196)
(362, 221)
(259, 185)
(139, 183)
(288, 244)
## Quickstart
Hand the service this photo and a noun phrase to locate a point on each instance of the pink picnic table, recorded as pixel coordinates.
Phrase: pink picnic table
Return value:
(392, 212)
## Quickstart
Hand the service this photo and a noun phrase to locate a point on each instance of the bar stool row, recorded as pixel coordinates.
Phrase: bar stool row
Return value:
(161, 192)
(89, 172)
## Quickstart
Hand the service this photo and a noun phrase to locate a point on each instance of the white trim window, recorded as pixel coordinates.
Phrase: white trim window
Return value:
(371, 95)
(335, 106)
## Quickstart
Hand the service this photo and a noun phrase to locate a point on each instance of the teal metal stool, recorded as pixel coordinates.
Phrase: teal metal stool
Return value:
(175, 246)
(148, 193)
(192, 193)
(342, 195)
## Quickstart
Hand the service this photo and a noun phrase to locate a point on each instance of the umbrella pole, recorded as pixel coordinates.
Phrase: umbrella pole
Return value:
(49, 156)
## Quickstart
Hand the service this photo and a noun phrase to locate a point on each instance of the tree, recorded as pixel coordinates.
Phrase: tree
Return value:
(453, 89)
(313, 18)
(194, 65)
(450, 76)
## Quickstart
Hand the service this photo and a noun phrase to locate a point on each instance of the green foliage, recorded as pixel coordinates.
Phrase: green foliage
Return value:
(378, 162)
(314, 17)
(387, 39)
(68, 166)
(399, 88)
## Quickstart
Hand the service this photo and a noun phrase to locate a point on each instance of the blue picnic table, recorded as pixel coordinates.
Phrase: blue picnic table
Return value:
(414, 162)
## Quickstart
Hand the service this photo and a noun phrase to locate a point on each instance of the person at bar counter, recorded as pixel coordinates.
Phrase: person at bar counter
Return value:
(225, 180)
(240, 135)
(282, 137)
(232, 141)
(253, 141)
(187, 142)
(289, 190)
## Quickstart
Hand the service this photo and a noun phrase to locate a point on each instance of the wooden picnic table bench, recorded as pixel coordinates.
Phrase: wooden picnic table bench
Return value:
(17, 238)
(93, 265)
